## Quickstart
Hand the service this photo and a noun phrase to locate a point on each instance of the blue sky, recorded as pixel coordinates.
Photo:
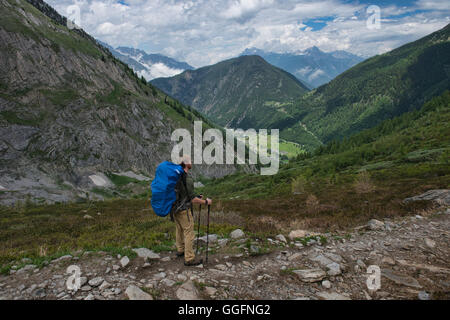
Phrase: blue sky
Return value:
(203, 32)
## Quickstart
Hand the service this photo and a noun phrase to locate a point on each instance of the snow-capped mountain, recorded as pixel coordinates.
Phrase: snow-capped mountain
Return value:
(150, 66)
(311, 66)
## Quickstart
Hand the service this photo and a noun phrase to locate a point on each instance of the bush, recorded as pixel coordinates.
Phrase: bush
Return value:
(298, 185)
(363, 183)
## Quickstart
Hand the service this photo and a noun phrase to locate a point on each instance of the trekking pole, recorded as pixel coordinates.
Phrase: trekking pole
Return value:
(207, 235)
(198, 224)
(198, 227)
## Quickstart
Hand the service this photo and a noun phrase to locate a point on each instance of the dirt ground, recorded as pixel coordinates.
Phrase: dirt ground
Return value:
(411, 253)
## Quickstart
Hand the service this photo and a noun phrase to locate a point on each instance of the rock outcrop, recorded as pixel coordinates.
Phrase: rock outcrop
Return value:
(70, 111)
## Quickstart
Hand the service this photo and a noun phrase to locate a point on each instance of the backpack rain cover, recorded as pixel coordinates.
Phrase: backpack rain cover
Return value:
(163, 187)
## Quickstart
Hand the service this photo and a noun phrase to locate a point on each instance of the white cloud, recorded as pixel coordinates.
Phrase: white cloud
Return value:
(203, 32)
(158, 70)
(317, 73)
(303, 71)
(434, 5)
(240, 8)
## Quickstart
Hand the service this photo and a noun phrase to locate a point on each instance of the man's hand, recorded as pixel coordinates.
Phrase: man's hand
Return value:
(201, 200)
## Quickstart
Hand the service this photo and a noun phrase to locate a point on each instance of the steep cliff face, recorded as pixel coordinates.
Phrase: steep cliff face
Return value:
(70, 113)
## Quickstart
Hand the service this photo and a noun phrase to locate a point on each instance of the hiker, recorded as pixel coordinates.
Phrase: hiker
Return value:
(183, 215)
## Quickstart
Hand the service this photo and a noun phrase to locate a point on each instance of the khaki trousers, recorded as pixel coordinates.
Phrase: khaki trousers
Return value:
(185, 236)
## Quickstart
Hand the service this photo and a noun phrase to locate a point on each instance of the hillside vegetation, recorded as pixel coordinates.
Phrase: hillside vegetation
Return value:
(377, 89)
(349, 181)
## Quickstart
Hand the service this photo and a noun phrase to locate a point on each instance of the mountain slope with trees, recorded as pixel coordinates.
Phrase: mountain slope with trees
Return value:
(366, 175)
(244, 92)
(379, 88)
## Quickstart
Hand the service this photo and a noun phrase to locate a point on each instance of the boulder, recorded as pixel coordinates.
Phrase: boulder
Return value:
(104, 285)
(95, 282)
(333, 269)
(124, 261)
(295, 256)
(198, 184)
(187, 291)
(159, 276)
(27, 268)
(326, 284)
(221, 267)
(83, 281)
(297, 234)
(146, 253)
(236, 234)
(212, 238)
(90, 297)
(167, 282)
(210, 291)
(301, 234)
(423, 295)
(63, 258)
(335, 257)
(439, 196)
(400, 279)
(135, 293)
(388, 260)
(321, 259)
(332, 296)
(375, 224)
(430, 243)
(222, 242)
(310, 275)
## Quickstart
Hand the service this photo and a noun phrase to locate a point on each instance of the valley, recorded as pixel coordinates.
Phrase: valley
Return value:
(364, 175)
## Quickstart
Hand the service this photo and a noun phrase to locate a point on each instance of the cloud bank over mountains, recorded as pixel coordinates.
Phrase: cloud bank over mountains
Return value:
(204, 32)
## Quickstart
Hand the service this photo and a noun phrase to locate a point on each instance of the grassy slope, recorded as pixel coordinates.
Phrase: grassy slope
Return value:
(60, 36)
(400, 158)
(50, 30)
(379, 88)
(46, 232)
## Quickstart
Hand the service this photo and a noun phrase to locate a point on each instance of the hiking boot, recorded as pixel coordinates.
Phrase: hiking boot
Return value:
(194, 262)
(180, 254)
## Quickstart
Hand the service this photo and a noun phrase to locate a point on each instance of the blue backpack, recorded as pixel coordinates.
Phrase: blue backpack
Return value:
(163, 187)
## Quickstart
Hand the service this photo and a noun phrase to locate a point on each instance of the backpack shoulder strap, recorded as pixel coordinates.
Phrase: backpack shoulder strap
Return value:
(183, 179)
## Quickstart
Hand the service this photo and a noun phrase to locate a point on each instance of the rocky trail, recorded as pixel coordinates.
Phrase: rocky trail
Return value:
(412, 253)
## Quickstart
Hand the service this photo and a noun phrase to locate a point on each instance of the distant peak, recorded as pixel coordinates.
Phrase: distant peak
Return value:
(313, 50)
(129, 50)
(252, 51)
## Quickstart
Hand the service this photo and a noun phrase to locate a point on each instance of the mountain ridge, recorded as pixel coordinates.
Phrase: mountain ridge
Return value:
(150, 66)
(312, 66)
(73, 118)
(243, 92)
(376, 89)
